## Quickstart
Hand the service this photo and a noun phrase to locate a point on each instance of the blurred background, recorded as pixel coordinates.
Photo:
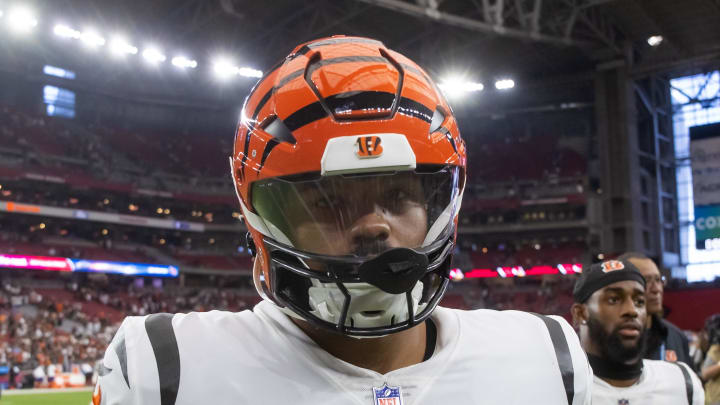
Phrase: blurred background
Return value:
(593, 129)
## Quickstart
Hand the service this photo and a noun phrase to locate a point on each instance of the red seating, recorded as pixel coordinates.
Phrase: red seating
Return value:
(528, 256)
(217, 262)
(454, 301)
(519, 158)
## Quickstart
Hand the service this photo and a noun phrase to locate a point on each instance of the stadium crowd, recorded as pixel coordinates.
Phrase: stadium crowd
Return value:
(45, 331)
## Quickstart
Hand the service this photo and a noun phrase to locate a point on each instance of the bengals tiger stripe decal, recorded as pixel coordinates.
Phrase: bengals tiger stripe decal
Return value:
(369, 147)
(612, 265)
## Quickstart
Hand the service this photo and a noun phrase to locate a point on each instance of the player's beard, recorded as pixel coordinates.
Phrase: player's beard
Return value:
(611, 345)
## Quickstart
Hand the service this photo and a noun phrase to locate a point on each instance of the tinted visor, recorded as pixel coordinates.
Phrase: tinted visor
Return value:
(361, 215)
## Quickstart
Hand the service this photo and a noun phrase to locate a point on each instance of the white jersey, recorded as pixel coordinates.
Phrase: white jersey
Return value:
(661, 383)
(261, 356)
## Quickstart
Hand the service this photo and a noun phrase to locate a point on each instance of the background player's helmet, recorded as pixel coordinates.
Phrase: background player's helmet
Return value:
(349, 168)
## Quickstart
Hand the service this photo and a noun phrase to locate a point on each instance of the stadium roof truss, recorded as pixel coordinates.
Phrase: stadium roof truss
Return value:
(568, 22)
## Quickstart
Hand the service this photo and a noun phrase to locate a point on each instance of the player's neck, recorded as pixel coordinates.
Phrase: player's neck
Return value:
(614, 373)
(383, 354)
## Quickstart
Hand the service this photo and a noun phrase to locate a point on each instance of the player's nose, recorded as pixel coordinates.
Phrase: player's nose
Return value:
(370, 227)
(629, 309)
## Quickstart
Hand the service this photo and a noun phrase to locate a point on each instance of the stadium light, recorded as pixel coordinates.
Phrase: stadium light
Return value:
(452, 87)
(63, 31)
(183, 62)
(224, 69)
(249, 72)
(455, 87)
(91, 39)
(120, 47)
(472, 86)
(504, 84)
(655, 40)
(153, 55)
(21, 20)
(456, 275)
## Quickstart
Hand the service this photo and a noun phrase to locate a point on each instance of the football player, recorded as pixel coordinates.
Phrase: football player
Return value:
(610, 307)
(349, 168)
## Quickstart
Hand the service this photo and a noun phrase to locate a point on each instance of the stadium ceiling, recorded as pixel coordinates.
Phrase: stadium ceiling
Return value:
(527, 40)
(520, 34)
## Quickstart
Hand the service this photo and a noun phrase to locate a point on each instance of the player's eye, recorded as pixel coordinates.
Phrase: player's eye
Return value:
(639, 302)
(398, 195)
(613, 300)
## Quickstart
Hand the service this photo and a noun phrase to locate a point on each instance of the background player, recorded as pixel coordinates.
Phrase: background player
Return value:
(610, 308)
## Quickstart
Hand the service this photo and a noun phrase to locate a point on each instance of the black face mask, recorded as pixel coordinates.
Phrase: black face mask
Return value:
(616, 361)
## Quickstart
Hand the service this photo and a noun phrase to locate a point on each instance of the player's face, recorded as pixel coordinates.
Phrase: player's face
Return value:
(616, 320)
(654, 284)
(364, 217)
(358, 214)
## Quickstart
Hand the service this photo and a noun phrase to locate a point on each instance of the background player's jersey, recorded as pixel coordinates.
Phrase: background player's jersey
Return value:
(661, 383)
(481, 357)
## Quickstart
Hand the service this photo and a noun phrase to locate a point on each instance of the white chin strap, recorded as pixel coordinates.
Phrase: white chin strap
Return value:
(369, 307)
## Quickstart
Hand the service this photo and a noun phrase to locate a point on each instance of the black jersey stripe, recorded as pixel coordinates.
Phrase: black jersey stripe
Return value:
(688, 383)
(430, 339)
(562, 353)
(167, 356)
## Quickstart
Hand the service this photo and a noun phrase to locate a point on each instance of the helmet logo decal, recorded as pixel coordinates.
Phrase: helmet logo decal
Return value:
(612, 265)
(369, 147)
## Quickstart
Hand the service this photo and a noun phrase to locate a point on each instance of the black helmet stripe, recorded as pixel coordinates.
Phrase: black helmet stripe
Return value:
(448, 135)
(285, 80)
(366, 99)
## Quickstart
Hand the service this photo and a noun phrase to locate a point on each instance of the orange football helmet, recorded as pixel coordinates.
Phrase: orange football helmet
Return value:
(350, 168)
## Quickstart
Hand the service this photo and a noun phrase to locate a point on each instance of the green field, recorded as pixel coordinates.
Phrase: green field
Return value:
(56, 398)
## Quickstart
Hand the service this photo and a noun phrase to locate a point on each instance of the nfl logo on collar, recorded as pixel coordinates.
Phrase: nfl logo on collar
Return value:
(387, 395)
